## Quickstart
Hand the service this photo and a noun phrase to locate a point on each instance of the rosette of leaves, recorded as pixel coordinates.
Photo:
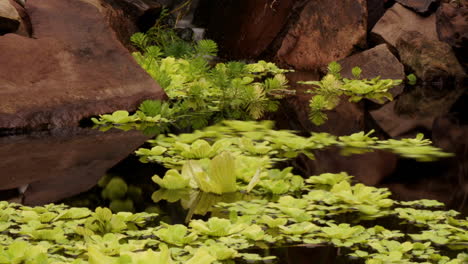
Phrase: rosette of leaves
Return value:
(327, 92)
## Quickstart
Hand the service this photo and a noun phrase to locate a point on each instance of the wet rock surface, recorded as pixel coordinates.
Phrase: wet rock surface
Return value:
(61, 163)
(398, 20)
(73, 68)
(326, 30)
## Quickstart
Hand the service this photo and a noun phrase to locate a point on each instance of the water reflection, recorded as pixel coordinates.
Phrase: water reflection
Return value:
(60, 163)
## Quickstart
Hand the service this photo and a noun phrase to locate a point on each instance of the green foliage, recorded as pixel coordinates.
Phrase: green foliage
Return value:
(412, 79)
(198, 93)
(328, 91)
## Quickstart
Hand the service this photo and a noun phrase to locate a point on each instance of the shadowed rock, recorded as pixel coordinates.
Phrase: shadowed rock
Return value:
(452, 25)
(9, 18)
(327, 30)
(245, 28)
(398, 20)
(72, 69)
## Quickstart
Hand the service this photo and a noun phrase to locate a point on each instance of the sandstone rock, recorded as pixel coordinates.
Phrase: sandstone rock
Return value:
(423, 7)
(245, 28)
(452, 25)
(63, 162)
(72, 69)
(25, 28)
(327, 30)
(9, 17)
(378, 61)
(398, 20)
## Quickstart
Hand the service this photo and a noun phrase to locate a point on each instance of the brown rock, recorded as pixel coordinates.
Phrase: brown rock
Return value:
(398, 20)
(378, 61)
(452, 25)
(245, 28)
(422, 7)
(9, 18)
(25, 28)
(72, 69)
(441, 76)
(327, 30)
(61, 163)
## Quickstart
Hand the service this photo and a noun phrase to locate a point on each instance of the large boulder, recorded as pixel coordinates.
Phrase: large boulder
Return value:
(245, 28)
(73, 68)
(326, 30)
(398, 20)
(422, 7)
(9, 18)
(452, 25)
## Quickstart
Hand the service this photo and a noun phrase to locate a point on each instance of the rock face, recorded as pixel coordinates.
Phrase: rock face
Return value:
(423, 7)
(245, 28)
(398, 20)
(378, 61)
(61, 163)
(430, 59)
(326, 30)
(452, 25)
(9, 18)
(72, 69)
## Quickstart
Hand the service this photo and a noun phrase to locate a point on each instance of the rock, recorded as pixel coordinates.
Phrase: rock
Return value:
(74, 68)
(9, 18)
(61, 163)
(429, 59)
(398, 20)
(452, 25)
(25, 28)
(378, 61)
(244, 28)
(327, 30)
(423, 7)
(375, 10)
(127, 17)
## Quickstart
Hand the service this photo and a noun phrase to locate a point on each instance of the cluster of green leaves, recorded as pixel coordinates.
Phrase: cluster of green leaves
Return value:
(56, 234)
(198, 92)
(327, 93)
(315, 219)
(59, 234)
